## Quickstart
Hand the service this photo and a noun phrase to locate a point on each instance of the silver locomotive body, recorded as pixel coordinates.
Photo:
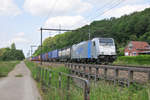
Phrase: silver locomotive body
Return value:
(95, 50)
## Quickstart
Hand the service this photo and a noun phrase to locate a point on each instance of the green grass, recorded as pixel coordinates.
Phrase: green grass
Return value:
(6, 67)
(106, 91)
(54, 91)
(19, 75)
(102, 90)
(141, 60)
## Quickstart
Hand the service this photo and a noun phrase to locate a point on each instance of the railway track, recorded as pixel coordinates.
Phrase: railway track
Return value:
(111, 65)
(148, 67)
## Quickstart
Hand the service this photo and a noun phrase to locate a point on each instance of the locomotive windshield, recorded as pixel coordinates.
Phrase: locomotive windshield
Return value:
(105, 41)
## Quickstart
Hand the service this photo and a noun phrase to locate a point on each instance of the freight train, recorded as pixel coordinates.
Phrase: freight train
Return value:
(97, 50)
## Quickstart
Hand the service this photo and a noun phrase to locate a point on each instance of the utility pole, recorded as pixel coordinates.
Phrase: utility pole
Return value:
(49, 30)
(60, 28)
(28, 54)
(41, 47)
(32, 48)
(31, 52)
(89, 33)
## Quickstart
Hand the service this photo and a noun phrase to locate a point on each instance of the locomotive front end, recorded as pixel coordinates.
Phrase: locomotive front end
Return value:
(107, 49)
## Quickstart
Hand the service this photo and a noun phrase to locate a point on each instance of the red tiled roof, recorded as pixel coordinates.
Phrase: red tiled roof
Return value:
(140, 44)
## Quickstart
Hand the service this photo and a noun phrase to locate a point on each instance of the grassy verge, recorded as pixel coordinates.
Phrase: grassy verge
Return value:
(142, 60)
(106, 91)
(100, 91)
(6, 67)
(54, 85)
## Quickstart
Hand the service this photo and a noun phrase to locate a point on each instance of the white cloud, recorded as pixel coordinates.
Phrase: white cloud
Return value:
(4, 44)
(126, 9)
(19, 38)
(8, 7)
(99, 2)
(67, 22)
(42, 7)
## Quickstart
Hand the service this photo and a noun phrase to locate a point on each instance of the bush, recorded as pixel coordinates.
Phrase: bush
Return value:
(7, 54)
(142, 60)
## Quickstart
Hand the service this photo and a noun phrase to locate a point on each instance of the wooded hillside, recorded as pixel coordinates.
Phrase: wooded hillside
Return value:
(135, 26)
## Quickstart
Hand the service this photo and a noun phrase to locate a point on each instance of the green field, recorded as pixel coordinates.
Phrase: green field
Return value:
(6, 67)
(141, 60)
(102, 90)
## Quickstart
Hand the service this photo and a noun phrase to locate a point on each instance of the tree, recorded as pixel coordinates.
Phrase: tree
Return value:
(133, 37)
(7, 54)
(2, 52)
(121, 52)
(13, 46)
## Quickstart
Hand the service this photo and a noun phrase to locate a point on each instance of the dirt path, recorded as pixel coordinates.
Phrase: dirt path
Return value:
(19, 88)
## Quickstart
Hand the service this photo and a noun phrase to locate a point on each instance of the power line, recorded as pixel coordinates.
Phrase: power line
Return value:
(113, 6)
(108, 9)
(108, 3)
(51, 10)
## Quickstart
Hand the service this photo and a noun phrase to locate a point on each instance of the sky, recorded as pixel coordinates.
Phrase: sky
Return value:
(21, 20)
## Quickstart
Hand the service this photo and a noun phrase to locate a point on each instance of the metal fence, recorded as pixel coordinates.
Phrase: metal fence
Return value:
(126, 75)
(61, 86)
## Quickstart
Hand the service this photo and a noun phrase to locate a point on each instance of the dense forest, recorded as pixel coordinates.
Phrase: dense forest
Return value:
(135, 26)
(12, 53)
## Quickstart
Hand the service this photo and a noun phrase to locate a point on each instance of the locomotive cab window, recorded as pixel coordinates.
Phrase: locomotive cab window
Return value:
(94, 43)
(105, 41)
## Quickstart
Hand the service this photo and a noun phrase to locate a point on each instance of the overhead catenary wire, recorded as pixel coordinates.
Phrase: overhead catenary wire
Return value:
(51, 10)
(113, 6)
(49, 13)
(107, 10)
(112, 3)
(102, 7)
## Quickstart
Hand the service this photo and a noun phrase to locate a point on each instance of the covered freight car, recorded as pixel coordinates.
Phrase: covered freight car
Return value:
(55, 56)
(64, 54)
(49, 56)
(43, 57)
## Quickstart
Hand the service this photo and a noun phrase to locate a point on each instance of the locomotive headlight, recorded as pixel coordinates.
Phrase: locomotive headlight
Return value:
(102, 53)
(113, 53)
(102, 56)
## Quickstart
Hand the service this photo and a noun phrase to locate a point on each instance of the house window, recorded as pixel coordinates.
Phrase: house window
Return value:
(130, 46)
(126, 53)
(134, 53)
